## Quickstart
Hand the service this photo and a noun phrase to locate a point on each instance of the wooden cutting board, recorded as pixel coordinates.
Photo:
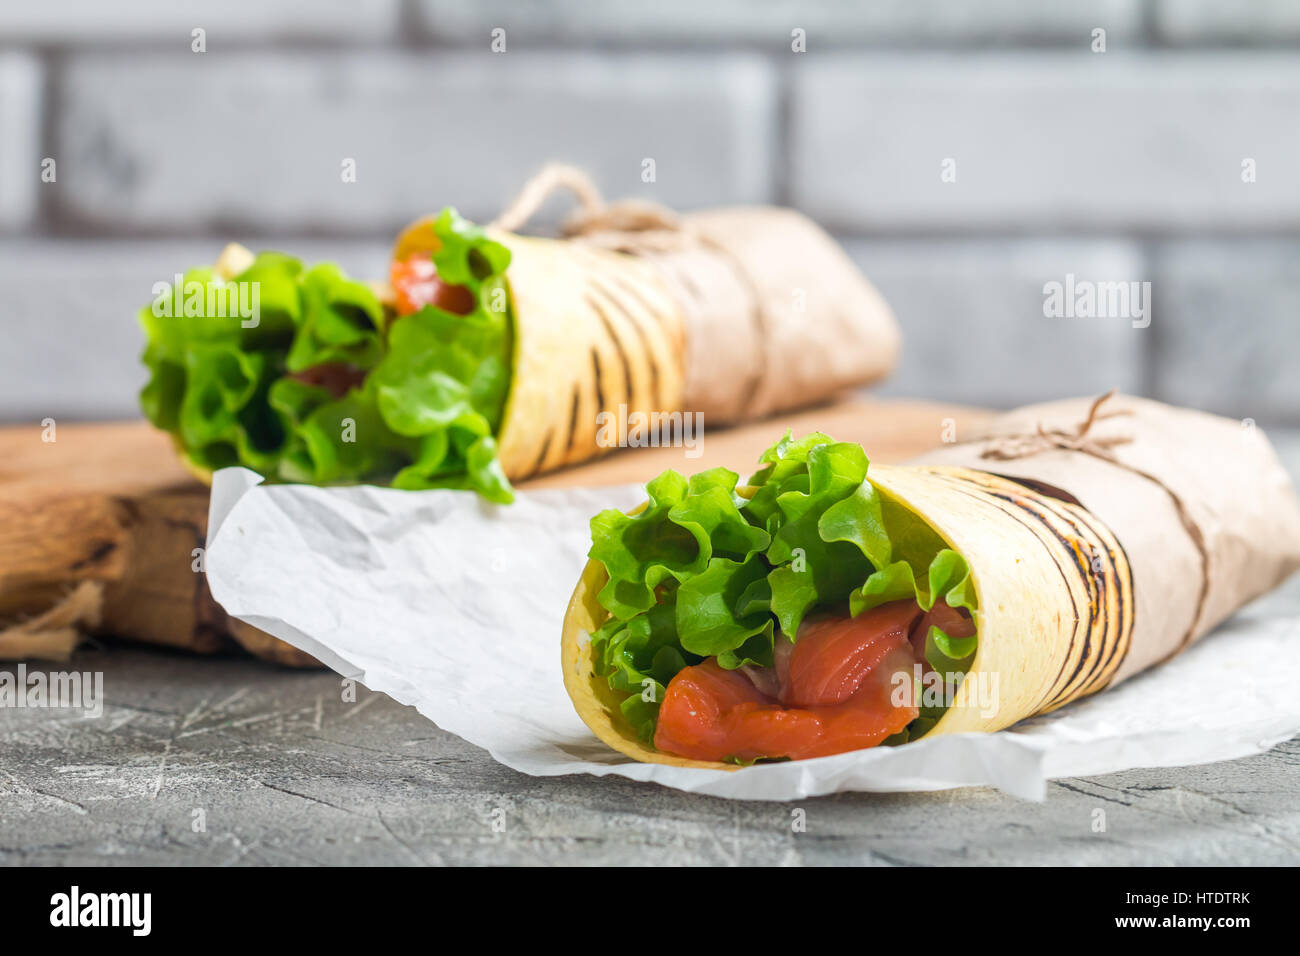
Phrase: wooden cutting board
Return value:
(101, 527)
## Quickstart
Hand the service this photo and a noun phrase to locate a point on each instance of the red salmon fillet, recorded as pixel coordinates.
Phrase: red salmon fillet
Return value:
(837, 691)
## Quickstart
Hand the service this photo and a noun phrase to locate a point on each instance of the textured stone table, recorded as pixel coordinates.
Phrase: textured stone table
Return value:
(278, 768)
(285, 772)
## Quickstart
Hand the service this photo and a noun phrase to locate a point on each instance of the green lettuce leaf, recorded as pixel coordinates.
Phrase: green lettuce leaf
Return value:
(708, 568)
(433, 390)
(682, 527)
(342, 321)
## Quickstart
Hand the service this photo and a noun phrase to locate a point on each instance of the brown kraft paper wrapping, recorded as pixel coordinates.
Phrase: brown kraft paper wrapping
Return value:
(777, 315)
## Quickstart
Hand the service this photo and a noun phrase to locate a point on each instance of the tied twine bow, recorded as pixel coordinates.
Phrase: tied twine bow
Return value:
(1010, 447)
(594, 215)
(639, 227)
(1022, 446)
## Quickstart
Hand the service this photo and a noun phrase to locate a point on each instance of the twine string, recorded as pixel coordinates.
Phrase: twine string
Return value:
(1011, 447)
(593, 214)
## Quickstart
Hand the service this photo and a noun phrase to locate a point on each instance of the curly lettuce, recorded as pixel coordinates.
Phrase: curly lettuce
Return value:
(429, 389)
(711, 568)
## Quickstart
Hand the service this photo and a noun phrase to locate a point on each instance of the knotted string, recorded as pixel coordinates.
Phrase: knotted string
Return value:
(593, 215)
(1022, 446)
(635, 226)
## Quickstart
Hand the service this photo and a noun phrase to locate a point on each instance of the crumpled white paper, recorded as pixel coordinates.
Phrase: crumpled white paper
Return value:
(454, 606)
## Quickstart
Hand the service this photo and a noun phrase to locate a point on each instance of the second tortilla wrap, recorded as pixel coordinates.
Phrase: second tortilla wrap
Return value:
(728, 314)
(488, 357)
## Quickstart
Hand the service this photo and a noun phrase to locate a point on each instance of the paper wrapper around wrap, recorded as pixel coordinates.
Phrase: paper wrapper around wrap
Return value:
(734, 314)
(1090, 563)
(1203, 509)
(777, 316)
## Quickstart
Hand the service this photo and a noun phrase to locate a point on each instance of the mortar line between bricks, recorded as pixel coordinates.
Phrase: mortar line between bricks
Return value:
(407, 39)
(417, 35)
(1149, 345)
(1148, 26)
(51, 94)
(782, 152)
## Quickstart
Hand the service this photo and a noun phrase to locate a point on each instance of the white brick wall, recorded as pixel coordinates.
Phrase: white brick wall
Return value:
(170, 22)
(974, 328)
(1213, 21)
(186, 141)
(1048, 141)
(768, 23)
(1228, 326)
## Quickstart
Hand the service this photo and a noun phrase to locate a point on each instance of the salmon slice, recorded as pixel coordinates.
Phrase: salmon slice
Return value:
(834, 654)
(709, 713)
(839, 683)
(882, 706)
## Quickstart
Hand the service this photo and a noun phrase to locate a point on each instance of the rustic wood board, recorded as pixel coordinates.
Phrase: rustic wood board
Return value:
(890, 431)
(111, 503)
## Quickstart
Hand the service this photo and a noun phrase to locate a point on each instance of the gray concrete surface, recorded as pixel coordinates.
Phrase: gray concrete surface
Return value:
(284, 772)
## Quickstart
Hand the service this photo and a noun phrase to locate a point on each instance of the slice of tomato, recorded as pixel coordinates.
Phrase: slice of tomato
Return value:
(416, 284)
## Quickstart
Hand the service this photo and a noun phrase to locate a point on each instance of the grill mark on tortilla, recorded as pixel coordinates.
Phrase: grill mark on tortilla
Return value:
(672, 342)
(546, 447)
(631, 289)
(1112, 652)
(1125, 608)
(1062, 682)
(618, 347)
(1064, 690)
(1074, 686)
(603, 271)
(1087, 671)
(573, 420)
(958, 483)
(598, 380)
(656, 400)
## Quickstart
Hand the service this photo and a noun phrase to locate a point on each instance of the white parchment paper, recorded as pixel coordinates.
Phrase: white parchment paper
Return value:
(454, 606)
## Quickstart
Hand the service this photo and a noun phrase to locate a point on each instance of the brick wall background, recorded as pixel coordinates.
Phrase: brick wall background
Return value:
(1117, 166)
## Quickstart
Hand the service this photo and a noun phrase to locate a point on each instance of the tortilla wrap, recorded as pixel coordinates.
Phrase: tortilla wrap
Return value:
(1095, 552)
(711, 318)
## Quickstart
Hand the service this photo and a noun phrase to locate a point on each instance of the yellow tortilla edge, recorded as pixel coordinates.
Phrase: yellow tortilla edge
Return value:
(595, 702)
(201, 472)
